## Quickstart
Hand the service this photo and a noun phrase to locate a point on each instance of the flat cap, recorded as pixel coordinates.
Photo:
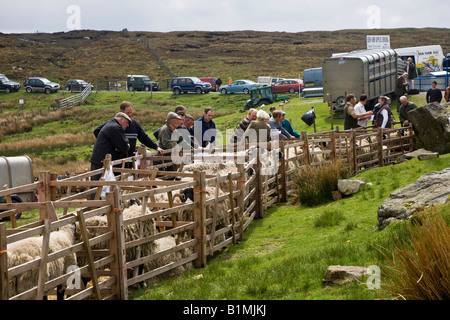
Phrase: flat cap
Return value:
(172, 115)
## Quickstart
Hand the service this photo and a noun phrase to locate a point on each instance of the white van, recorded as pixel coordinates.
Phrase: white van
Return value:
(268, 80)
(426, 58)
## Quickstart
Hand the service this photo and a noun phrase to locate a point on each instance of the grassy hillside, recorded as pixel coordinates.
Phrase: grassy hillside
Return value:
(105, 55)
(285, 255)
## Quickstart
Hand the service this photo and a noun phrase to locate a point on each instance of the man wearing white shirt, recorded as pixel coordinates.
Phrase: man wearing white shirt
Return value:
(360, 109)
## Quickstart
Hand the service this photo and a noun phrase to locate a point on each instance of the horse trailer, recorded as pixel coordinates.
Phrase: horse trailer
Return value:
(372, 72)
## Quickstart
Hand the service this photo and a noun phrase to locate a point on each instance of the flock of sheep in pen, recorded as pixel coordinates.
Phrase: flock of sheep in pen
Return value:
(31, 248)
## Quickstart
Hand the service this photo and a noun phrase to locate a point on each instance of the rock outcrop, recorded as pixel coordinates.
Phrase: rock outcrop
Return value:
(339, 275)
(348, 186)
(431, 124)
(431, 189)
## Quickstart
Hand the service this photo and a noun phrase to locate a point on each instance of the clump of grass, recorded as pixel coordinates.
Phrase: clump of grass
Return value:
(419, 266)
(329, 218)
(313, 185)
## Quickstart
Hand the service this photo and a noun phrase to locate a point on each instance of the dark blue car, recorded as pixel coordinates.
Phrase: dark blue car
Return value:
(189, 84)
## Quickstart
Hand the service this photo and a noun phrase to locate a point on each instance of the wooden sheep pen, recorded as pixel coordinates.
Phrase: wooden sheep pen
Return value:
(165, 234)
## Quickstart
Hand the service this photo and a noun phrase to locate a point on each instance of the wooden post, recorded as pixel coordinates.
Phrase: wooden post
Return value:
(200, 218)
(333, 146)
(117, 245)
(90, 256)
(214, 218)
(380, 147)
(233, 217)
(258, 191)
(241, 199)
(52, 191)
(353, 151)
(4, 285)
(143, 162)
(43, 263)
(307, 159)
(284, 180)
(44, 192)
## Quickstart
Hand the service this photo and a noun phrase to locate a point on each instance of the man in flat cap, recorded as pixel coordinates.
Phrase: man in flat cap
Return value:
(168, 137)
(133, 133)
(111, 139)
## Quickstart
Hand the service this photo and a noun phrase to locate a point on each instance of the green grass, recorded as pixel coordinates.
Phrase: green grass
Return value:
(285, 255)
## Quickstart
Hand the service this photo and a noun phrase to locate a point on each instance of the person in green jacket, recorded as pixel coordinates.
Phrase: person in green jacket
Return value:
(404, 108)
(287, 125)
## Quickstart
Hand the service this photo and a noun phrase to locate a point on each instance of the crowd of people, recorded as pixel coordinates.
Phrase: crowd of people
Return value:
(356, 116)
(119, 135)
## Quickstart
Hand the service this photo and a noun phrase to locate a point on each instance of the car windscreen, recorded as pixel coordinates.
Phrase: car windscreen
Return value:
(45, 81)
(196, 80)
(4, 78)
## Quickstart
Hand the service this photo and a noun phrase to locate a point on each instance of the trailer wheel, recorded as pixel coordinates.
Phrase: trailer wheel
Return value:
(340, 101)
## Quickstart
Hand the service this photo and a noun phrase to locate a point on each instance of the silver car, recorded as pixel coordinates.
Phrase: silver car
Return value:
(38, 84)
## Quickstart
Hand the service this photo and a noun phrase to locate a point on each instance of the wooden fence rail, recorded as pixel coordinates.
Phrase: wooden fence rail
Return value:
(116, 249)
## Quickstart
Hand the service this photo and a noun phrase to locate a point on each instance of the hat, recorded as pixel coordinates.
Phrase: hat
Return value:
(172, 115)
(122, 115)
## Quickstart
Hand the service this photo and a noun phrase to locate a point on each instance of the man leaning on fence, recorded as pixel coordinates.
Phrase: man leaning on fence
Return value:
(110, 140)
(133, 133)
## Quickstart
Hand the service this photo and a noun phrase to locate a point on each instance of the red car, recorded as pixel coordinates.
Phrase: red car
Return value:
(212, 81)
(287, 85)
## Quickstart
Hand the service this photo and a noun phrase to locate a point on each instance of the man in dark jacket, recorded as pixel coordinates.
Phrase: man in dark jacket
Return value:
(111, 139)
(133, 133)
(434, 94)
(411, 70)
(205, 129)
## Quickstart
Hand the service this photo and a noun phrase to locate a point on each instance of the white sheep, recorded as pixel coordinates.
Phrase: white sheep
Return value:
(162, 244)
(131, 232)
(29, 249)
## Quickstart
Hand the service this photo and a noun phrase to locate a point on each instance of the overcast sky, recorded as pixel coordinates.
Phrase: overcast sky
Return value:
(19, 16)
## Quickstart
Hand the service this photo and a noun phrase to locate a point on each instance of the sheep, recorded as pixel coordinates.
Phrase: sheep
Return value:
(131, 232)
(164, 244)
(29, 249)
(187, 215)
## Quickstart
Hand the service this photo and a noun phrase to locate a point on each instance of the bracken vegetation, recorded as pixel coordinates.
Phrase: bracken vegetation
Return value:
(418, 267)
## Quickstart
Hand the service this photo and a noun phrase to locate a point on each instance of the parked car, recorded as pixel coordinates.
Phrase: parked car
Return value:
(39, 84)
(141, 83)
(189, 84)
(8, 85)
(239, 86)
(77, 85)
(289, 85)
(212, 81)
